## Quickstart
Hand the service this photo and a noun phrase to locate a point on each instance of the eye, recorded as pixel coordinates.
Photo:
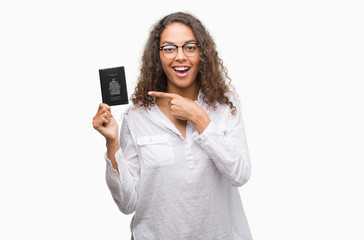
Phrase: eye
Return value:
(190, 47)
(168, 49)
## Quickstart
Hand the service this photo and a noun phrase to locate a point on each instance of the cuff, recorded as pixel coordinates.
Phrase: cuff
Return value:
(108, 161)
(206, 134)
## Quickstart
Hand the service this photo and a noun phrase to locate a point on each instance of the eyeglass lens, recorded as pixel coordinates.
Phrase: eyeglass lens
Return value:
(170, 51)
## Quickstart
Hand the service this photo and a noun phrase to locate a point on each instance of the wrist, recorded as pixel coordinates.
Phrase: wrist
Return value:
(112, 144)
(200, 120)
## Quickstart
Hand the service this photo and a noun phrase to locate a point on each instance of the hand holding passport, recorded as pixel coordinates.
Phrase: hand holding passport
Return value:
(113, 86)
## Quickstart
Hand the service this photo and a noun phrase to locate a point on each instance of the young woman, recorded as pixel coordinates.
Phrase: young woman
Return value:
(182, 152)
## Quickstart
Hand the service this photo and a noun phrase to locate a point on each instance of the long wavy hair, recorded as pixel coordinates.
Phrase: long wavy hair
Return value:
(212, 77)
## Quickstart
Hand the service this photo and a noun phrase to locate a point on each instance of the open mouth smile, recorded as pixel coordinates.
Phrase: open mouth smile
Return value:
(181, 71)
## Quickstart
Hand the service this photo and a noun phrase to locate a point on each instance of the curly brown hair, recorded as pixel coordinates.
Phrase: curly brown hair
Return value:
(212, 77)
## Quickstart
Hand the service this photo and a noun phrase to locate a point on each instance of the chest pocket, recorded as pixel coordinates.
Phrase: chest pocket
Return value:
(156, 151)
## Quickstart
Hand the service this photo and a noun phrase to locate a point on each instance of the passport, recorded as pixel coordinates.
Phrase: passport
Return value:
(113, 86)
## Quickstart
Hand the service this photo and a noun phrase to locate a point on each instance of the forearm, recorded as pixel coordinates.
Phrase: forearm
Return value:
(230, 160)
(121, 185)
(229, 153)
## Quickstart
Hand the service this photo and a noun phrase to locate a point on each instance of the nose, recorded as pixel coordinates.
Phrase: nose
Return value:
(180, 54)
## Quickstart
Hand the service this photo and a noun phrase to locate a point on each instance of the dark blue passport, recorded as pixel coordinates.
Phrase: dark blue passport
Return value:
(113, 86)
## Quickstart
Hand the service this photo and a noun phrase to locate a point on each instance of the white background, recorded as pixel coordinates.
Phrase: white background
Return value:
(297, 65)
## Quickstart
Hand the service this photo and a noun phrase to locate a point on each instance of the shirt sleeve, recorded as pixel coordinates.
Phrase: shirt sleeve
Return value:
(123, 186)
(227, 147)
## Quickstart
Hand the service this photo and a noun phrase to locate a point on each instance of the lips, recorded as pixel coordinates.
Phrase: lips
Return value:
(181, 71)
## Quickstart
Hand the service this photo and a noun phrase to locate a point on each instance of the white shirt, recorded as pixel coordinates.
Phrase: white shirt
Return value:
(182, 188)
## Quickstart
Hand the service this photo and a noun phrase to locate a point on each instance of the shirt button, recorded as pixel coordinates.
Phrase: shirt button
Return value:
(198, 139)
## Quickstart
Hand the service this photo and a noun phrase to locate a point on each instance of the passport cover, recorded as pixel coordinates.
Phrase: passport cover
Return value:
(113, 86)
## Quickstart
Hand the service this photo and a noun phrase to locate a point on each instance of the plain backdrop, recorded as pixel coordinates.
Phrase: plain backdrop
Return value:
(297, 66)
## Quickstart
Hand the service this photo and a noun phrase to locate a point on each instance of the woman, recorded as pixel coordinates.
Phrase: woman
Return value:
(183, 151)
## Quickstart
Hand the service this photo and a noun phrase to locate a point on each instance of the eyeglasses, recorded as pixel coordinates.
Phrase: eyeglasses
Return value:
(170, 51)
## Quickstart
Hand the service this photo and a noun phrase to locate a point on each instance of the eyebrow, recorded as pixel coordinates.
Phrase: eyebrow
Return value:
(171, 43)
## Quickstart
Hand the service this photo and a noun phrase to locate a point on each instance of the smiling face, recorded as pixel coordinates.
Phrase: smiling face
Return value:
(181, 71)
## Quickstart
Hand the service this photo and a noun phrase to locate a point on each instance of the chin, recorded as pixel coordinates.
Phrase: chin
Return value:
(182, 83)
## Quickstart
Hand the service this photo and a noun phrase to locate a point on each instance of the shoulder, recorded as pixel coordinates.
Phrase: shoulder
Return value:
(233, 99)
(132, 109)
(132, 117)
(131, 112)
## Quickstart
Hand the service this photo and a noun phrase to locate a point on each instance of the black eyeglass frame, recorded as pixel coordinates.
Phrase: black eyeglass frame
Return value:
(181, 46)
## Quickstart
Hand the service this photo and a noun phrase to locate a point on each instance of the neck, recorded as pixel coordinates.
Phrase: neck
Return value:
(190, 92)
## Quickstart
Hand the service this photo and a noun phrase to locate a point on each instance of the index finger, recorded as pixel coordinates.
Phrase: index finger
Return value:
(162, 94)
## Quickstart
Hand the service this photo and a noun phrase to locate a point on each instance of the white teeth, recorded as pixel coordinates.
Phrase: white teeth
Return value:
(181, 68)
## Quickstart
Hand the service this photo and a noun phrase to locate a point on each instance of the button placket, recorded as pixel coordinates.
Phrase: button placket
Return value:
(189, 157)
